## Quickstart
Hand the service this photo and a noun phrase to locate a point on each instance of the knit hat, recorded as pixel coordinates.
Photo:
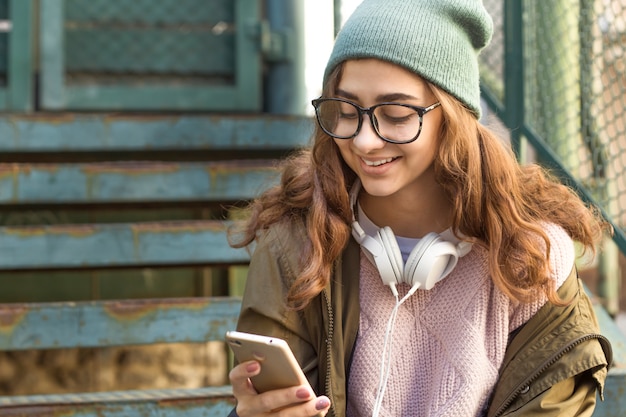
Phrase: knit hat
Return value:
(437, 39)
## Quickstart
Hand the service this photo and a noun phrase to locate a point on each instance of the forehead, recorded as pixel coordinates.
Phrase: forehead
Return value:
(373, 77)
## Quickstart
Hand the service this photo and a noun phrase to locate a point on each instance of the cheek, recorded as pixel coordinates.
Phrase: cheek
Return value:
(422, 153)
(430, 138)
(431, 129)
(431, 151)
(344, 148)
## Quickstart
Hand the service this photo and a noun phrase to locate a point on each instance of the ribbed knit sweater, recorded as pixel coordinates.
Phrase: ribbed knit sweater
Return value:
(448, 342)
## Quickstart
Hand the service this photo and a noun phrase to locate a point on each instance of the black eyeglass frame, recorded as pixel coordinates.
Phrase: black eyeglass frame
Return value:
(421, 111)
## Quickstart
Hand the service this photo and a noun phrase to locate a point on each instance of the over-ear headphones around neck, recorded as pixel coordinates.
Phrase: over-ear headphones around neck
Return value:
(431, 260)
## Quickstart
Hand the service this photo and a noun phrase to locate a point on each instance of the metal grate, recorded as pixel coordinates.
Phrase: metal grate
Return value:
(142, 42)
(148, 55)
(574, 88)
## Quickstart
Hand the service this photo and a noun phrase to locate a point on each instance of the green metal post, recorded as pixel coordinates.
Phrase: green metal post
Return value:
(604, 186)
(337, 17)
(514, 72)
(557, 77)
(286, 91)
(51, 54)
(20, 70)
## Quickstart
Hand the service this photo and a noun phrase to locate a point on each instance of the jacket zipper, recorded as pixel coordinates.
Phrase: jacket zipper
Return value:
(331, 329)
(543, 368)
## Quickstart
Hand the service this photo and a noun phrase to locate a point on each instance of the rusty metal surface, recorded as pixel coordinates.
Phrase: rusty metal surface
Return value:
(102, 132)
(199, 242)
(116, 323)
(134, 181)
(200, 402)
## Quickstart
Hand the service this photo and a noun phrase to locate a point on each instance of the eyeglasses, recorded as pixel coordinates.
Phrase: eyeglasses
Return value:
(393, 122)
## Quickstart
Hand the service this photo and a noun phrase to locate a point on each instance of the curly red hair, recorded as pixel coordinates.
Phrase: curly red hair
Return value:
(497, 203)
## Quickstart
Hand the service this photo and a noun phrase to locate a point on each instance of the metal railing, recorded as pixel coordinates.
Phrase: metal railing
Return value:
(555, 75)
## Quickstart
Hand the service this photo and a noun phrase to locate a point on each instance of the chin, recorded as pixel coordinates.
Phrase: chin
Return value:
(378, 189)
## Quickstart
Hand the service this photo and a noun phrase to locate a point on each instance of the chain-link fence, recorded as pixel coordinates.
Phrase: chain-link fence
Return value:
(572, 62)
(134, 40)
(144, 55)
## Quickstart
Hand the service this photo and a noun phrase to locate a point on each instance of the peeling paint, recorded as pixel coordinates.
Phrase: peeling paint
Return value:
(12, 315)
(130, 167)
(50, 168)
(217, 172)
(41, 117)
(78, 231)
(99, 182)
(24, 231)
(10, 170)
(192, 226)
(188, 132)
(139, 309)
(201, 402)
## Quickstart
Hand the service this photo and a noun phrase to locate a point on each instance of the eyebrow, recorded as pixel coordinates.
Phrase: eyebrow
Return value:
(379, 98)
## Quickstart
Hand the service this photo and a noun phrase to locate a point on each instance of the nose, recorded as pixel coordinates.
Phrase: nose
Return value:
(367, 139)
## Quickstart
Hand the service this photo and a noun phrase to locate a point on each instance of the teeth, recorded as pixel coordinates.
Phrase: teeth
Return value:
(377, 163)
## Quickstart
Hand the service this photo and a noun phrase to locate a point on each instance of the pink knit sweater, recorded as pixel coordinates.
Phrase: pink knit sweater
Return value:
(447, 344)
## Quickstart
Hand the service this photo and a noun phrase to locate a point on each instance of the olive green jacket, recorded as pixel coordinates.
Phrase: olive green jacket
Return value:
(553, 366)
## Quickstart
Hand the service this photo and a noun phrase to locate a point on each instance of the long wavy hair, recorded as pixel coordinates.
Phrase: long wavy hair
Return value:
(497, 204)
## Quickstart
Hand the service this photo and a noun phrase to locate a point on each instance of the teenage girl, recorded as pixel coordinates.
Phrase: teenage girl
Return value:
(413, 266)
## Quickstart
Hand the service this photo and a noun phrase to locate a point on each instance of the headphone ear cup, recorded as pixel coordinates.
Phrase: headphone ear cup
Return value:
(393, 253)
(430, 261)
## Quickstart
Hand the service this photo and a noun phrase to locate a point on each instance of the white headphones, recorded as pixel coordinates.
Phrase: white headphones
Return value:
(431, 260)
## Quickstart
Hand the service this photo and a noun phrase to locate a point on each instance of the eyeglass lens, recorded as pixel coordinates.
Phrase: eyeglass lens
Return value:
(391, 121)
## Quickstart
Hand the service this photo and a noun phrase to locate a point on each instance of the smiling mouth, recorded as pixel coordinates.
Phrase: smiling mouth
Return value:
(379, 162)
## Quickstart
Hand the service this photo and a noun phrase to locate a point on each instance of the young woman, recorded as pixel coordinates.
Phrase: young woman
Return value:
(413, 266)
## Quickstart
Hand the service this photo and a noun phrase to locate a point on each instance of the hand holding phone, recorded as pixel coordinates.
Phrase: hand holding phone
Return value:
(279, 367)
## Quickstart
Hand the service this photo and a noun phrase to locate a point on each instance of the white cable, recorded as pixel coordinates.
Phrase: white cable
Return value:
(385, 362)
(385, 366)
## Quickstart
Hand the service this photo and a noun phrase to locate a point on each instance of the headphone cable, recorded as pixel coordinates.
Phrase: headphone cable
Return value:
(385, 366)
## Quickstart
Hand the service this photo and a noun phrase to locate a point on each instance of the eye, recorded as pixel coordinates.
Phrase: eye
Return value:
(348, 111)
(395, 114)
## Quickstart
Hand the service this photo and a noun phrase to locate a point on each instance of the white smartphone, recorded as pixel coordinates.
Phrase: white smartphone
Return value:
(279, 367)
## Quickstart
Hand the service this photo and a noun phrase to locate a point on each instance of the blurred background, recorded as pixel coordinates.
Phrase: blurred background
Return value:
(133, 131)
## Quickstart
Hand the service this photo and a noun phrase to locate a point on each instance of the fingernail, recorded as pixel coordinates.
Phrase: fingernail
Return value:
(322, 403)
(252, 367)
(303, 393)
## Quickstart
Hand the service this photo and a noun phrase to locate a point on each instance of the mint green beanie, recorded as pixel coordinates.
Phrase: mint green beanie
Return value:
(437, 39)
